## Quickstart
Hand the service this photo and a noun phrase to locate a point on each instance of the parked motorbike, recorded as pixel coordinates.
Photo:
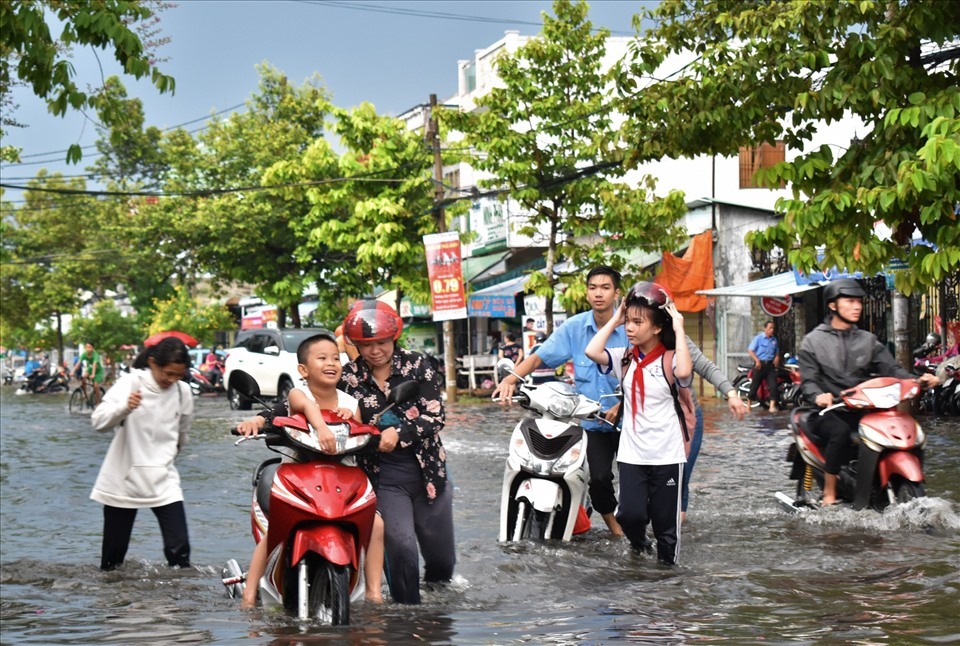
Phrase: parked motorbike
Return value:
(7, 375)
(948, 392)
(545, 478)
(788, 384)
(889, 464)
(320, 512)
(201, 383)
(41, 381)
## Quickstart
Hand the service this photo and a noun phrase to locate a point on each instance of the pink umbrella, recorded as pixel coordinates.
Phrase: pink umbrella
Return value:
(188, 340)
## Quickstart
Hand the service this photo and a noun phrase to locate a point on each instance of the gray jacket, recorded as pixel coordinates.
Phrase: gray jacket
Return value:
(833, 360)
(708, 370)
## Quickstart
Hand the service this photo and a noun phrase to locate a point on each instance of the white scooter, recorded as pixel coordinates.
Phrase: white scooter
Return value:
(545, 480)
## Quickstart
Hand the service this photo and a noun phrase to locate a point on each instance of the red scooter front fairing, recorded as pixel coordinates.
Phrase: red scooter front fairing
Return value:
(305, 493)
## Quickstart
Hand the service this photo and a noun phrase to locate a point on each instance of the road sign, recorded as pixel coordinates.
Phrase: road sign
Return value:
(775, 306)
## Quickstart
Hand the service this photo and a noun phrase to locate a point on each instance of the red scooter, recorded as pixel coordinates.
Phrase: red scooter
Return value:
(788, 384)
(320, 512)
(889, 464)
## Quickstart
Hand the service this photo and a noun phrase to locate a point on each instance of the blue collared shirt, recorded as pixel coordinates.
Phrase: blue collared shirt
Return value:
(569, 342)
(766, 348)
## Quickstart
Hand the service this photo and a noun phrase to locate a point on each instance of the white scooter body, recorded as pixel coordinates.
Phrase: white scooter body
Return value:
(545, 479)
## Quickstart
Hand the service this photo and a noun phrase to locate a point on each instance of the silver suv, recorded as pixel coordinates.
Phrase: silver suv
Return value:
(270, 357)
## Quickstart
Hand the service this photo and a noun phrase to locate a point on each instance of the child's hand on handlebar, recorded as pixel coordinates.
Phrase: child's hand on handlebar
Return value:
(250, 427)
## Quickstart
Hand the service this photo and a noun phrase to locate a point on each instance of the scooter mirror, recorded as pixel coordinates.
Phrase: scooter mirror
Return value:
(245, 385)
(404, 391)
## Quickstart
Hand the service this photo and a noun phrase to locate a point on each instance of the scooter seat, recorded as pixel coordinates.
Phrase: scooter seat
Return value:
(263, 482)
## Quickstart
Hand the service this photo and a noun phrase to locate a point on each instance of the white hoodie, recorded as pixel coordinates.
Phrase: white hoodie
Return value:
(138, 471)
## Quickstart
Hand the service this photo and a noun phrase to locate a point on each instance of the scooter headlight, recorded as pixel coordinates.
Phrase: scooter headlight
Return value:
(346, 443)
(562, 405)
(568, 459)
(921, 436)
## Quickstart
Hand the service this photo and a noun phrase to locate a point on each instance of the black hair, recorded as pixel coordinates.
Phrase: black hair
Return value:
(605, 270)
(311, 341)
(511, 337)
(167, 351)
(659, 317)
(766, 323)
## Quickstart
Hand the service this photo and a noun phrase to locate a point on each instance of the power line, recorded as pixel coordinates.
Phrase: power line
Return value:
(440, 15)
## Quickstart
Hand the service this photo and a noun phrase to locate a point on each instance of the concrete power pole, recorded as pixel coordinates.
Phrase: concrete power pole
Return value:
(449, 351)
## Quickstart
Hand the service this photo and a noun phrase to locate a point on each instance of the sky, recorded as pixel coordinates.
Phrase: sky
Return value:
(392, 53)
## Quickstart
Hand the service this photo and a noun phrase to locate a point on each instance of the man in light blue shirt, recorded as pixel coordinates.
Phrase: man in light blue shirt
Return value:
(568, 342)
(765, 352)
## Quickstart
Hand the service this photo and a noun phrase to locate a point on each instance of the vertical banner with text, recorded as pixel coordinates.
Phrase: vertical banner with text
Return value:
(446, 275)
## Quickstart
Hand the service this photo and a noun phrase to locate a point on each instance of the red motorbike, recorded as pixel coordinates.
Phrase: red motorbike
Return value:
(320, 512)
(788, 384)
(888, 468)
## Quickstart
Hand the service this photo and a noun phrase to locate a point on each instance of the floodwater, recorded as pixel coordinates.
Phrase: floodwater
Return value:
(750, 572)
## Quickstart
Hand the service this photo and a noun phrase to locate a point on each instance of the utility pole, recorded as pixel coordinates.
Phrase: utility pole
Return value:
(449, 351)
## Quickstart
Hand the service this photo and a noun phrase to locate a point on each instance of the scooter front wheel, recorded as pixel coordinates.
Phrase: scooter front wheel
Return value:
(904, 490)
(329, 595)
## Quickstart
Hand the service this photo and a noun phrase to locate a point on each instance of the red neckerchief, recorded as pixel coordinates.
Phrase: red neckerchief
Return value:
(649, 358)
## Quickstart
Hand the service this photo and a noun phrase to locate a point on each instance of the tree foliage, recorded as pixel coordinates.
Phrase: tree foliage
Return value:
(548, 140)
(251, 235)
(181, 312)
(370, 206)
(107, 329)
(788, 70)
(31, 55)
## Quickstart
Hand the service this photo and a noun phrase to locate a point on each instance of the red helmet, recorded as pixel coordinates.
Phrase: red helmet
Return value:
(372, 321)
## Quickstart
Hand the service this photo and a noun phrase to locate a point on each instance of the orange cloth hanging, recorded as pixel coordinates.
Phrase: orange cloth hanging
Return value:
(683, 276)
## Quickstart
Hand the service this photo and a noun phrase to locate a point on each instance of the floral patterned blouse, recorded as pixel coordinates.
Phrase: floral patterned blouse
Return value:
(422, 417)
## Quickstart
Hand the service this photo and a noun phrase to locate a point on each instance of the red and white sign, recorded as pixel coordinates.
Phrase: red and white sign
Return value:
(775, 306)
(446, 275)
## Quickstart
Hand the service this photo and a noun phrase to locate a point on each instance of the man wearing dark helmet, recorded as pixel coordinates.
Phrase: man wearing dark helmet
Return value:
(835, 356)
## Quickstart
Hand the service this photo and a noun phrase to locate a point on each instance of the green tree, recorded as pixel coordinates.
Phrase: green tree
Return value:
(547, 138)
(51, 256)
(369, 227)
(250, 235)
(181, 312)
(107, 328)
(787, 70)
(30, 54)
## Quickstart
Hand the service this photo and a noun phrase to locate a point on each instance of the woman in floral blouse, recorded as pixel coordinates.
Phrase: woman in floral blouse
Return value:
(409, 472)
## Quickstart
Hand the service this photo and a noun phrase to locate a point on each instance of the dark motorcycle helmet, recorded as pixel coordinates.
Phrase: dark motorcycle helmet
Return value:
(372, 321)
(844, 287)
(933, 339)
(540, 337)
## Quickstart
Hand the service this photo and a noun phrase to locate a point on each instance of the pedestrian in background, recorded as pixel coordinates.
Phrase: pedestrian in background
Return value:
(765, 352)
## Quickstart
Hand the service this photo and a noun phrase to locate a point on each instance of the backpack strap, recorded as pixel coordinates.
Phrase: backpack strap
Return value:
(666, 362)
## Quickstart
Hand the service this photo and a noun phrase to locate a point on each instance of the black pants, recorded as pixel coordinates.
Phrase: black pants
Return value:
(833, 432)
(651, 493)
(601, 451)
(118, 525)
(410, 519)
(768, 371)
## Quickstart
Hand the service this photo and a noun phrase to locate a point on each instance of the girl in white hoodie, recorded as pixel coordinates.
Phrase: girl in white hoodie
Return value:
(149, 410)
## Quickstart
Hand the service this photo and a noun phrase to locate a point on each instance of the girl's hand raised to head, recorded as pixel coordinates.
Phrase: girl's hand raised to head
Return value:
(671, 309)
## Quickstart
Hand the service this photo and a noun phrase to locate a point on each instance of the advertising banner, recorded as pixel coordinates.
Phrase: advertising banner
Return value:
(446, 275)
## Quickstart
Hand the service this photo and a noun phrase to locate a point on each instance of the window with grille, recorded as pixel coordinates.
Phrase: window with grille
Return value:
(756, 158)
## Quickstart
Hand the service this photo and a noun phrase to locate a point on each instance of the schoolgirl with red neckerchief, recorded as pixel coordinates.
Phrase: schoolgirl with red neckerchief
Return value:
(651, 455)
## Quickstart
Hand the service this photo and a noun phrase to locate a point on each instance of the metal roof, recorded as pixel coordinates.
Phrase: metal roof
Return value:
(781, 285)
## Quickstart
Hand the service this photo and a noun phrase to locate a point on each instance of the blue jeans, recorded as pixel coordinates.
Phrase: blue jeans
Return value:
(692, 459)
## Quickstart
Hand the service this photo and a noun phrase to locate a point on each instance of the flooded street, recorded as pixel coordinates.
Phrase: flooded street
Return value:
(749, 573)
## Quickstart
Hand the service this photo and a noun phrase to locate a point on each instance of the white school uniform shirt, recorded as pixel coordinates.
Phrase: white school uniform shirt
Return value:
(651, 436)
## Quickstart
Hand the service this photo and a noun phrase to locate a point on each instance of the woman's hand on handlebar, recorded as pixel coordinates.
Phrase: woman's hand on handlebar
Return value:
(611, 414)
(824, 400)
